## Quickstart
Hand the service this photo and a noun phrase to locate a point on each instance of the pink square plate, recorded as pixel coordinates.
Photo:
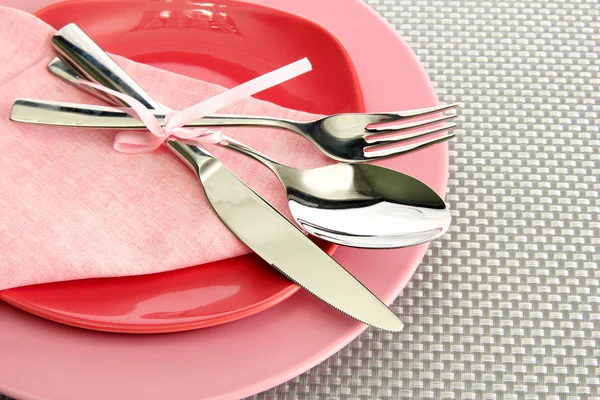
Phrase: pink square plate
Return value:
(223, 42)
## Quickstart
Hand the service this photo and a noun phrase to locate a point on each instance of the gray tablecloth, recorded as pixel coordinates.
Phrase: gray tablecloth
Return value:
(507, 304)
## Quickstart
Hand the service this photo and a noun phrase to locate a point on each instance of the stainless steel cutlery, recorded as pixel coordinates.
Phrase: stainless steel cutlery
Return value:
(246, 214)
(357, 205)
(342, 137)
(352, 203)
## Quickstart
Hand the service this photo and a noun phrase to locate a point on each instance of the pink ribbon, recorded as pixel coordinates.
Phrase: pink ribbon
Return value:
(156, 135)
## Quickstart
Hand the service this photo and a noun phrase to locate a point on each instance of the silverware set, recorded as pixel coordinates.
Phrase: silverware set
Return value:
(347, 138)
(350, 203)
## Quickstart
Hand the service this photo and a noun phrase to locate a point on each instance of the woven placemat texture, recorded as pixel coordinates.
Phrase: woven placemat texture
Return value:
(507, 304)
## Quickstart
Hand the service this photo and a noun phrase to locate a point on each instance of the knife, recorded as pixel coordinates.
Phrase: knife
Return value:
(254, 221)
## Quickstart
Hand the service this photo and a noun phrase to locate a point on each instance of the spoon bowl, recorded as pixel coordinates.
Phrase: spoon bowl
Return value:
(359, 205)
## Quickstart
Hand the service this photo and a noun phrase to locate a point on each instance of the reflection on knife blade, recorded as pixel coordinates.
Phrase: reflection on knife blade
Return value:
(276, 240)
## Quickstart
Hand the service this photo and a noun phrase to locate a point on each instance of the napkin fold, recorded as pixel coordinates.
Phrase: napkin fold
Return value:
(71, 207)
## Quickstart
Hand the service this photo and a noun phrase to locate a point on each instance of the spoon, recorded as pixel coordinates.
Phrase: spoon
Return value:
(357, 205)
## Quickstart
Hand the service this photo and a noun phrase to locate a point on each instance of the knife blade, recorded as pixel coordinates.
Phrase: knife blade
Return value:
(277, 241)
(254, 221)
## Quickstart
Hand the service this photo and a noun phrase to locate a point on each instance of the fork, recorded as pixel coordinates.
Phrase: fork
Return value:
(349, 137)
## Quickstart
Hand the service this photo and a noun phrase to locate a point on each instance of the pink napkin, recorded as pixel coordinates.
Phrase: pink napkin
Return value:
(71, 207)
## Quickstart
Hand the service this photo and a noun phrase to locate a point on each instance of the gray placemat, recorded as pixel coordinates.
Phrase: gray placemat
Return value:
(507, 304)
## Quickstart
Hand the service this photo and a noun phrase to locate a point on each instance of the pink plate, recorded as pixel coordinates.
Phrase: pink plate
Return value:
(222, 42)
(44, 360)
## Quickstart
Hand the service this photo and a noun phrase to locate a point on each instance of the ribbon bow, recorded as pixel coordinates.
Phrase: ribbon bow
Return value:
(156, 135)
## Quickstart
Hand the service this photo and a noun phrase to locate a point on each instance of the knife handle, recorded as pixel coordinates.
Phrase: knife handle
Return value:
(90, 61)
(93, 63)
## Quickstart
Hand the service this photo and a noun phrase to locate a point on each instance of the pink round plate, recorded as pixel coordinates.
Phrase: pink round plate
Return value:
(222, 42)
(44, 360)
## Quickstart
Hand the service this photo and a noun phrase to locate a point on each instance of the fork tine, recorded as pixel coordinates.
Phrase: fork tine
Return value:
(407, 136)
(390, 151)
(419, 112)
(425, 111)
(402, 127)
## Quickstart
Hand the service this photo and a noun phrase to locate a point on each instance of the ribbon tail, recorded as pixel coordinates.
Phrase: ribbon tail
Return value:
(240, 92)
(145, 142)
(136, 142)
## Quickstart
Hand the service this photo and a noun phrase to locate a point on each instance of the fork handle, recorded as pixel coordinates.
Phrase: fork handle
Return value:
(248, 120)
(59, 113)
